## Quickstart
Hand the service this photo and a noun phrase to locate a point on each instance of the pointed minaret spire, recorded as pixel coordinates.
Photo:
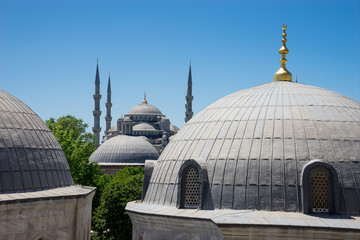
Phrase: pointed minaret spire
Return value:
(97, 112)
(108, 105)
(188, 106)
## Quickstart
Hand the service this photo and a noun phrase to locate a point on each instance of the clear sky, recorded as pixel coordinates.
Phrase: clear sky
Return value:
(48, 51)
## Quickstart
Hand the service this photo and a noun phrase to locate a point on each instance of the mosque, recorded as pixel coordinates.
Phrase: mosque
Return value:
(277, 161)
(140, 135)
(38, 198)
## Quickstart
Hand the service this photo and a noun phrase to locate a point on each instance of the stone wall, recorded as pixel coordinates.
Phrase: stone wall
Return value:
(58, 217)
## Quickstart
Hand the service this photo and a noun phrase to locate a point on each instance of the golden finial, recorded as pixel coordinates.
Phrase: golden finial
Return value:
(144, 101)
(283, 74)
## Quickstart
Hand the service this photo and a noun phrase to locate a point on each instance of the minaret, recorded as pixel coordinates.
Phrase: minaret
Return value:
(188, 106)
(283, 74)
(108, 105)
(97, 112)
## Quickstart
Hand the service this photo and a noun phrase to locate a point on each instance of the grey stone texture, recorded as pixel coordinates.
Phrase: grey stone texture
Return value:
(61, 213)
(38, 199)
(256, 142)
(124, 149)
(31, 158)
(145, 109)
(153, 221)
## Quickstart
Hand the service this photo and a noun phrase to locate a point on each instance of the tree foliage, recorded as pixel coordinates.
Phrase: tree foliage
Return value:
(110, 218)
(77, 145)
(113, 192)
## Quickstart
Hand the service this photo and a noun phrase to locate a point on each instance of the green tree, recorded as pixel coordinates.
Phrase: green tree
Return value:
(110, 218)
(78, 145)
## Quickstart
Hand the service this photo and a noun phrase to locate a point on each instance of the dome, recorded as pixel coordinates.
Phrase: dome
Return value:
(174, 128)
(143, 127)
(124, 149)
(144, 109)
(256, 143)
(31, 157)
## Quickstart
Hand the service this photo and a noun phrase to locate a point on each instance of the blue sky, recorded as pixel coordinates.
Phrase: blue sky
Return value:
(48, 51)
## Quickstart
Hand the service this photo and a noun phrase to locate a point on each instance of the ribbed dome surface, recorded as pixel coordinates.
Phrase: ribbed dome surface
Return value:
(124, 149)
(30, 156)
(255, 143)
(143, 127)
(144, 109)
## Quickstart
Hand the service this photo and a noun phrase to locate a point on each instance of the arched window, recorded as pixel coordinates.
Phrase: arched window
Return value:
(192, 184)
(319, 188)
(191, 187)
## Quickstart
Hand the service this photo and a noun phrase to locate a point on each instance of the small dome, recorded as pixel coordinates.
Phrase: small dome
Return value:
(124, 149)
(174, 128)
(31, 158)
(144, 109)
(256, 142)
(113, 128)
(143, 127)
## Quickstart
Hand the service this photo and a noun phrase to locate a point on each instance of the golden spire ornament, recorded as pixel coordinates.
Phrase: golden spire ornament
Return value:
(144, 101)
(283, 74)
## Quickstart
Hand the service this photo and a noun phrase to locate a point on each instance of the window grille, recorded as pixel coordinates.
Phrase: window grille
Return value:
(320, 190)
(191, 188)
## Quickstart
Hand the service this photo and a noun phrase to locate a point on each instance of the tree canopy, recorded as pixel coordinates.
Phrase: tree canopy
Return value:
(113, 192)
(77, 145)
(110, 219)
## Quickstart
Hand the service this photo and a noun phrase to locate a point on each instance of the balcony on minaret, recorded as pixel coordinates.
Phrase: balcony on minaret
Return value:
(96, 113)
(97, 96)
(96, 129)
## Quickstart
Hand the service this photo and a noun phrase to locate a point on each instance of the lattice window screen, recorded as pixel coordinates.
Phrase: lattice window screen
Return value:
(320, 191)
(191, 188)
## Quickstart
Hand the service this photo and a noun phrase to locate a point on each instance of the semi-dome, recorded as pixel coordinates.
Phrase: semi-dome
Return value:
(256, 144)
(143, 127)
(124, 149)
(144, 109)
(31, 157)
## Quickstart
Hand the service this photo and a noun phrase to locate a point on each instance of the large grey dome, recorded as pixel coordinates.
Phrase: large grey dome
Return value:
(31, 158)
(255, 144)
(144, 109)
(124, 149)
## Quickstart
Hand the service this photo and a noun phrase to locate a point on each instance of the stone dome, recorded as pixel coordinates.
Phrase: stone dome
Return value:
(31, 158)
(174, 128)
(255, 144)
(143, 127)
(144, 109)
(124, 149)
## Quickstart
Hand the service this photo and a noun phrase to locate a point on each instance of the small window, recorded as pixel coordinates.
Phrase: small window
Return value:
(191, 187)
(320, 190)
(193, 184)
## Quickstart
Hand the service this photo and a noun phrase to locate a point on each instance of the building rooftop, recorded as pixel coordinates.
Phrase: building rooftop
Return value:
(124, 149)
(31, 157)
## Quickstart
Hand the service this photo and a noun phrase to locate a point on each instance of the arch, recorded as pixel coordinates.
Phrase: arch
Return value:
(192, 180)
(320, 188)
